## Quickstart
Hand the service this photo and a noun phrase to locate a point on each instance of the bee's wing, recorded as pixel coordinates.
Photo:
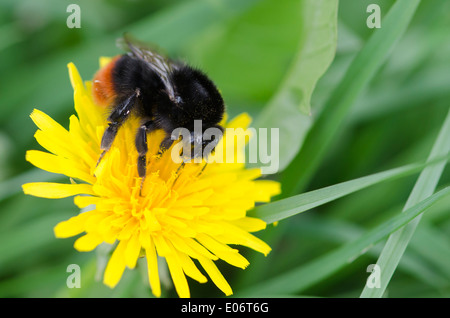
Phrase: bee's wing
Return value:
(155, 61)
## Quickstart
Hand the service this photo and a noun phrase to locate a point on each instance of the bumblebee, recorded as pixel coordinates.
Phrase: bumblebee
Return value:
(163, 93)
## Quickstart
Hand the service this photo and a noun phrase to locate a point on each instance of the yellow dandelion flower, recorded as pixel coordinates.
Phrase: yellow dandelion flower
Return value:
(190, 222)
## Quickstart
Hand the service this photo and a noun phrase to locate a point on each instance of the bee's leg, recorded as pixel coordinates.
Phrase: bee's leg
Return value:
(116, 119)
(177, 173)
(142, 148)
(108, 137)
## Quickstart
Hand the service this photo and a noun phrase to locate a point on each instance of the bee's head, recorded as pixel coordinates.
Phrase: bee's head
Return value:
(201, 143)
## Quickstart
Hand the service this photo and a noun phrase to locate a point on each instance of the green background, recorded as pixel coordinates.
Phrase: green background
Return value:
(250, 49)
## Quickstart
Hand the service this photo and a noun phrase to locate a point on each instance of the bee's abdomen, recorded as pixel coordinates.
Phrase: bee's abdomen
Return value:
(103, 86)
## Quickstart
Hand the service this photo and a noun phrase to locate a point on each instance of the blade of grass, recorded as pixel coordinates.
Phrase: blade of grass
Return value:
(424, 187)
(317, 229)
(281, 209)
(386, 98)
(362, 69)
(307, 275)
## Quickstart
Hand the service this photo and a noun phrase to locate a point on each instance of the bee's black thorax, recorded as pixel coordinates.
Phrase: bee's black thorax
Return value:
(197, 98)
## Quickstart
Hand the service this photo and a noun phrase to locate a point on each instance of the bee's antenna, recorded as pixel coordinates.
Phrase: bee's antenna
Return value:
(203, 169)
(177, 173)
(181, 167)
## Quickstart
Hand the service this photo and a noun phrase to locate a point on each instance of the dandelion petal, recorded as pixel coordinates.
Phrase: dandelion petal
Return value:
(51, 190)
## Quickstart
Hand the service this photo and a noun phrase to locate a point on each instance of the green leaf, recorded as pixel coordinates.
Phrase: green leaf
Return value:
(307, 275)
(367, 62)
(248, 56)
(289, 109)
(424, 187)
